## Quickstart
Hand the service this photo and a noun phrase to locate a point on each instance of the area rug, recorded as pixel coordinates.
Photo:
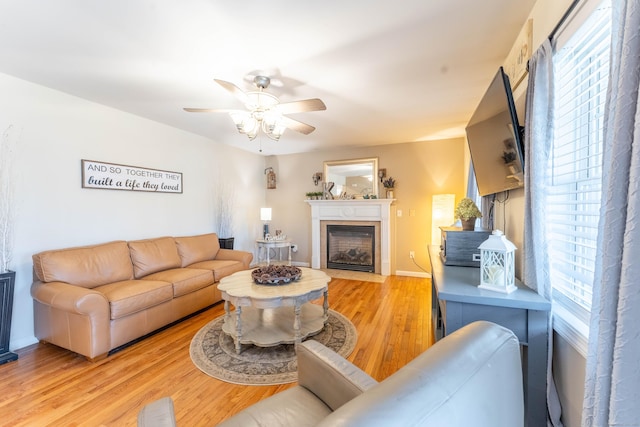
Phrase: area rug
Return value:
(213, 352)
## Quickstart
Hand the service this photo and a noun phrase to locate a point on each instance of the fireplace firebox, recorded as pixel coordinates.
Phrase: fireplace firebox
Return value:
(351, 247)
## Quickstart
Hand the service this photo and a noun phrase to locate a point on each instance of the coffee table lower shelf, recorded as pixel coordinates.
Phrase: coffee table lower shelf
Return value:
(269, 327)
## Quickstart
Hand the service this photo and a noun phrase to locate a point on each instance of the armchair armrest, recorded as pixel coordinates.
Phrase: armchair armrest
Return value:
(158, 414)
(329, 376)
(235, 255)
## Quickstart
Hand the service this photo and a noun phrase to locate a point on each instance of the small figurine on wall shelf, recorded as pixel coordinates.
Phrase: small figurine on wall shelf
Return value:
(271, 178)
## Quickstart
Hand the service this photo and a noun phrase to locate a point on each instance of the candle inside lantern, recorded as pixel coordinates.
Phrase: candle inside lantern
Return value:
(494, 274)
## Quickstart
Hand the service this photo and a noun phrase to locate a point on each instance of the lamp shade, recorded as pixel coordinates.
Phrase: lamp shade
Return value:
(442, 207)
(265, 214)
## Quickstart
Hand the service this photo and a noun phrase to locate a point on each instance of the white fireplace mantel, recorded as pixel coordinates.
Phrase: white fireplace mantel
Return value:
(352, 210)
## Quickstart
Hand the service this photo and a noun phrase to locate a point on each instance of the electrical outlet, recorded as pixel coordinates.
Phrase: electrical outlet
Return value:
(412, 254)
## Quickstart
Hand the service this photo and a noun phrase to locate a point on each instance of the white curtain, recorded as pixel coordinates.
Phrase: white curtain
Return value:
(612, 389)
(538, 138)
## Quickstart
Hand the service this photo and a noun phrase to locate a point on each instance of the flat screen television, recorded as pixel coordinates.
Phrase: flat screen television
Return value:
(495, 139)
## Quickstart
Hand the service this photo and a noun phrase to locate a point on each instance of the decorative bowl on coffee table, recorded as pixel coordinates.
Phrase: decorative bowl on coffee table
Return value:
(273, 275)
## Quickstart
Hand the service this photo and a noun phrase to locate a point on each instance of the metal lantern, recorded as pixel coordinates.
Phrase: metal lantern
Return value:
(497, 263)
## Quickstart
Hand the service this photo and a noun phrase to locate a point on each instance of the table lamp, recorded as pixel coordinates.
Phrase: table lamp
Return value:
(265, 215)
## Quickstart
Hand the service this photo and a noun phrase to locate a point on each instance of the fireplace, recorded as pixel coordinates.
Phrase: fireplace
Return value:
(351, 247)
(371, 212)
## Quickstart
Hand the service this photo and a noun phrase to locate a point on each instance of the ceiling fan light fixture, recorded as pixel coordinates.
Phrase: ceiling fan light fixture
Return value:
(260, 101)
(245, 124)
(264, 111)
(273, 130)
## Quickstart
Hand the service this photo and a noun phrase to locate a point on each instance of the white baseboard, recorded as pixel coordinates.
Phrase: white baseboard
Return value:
(22, 343)
(300, 264)
(413, 274)
(294, 263)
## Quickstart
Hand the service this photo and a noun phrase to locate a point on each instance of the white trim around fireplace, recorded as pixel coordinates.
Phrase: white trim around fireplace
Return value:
(352, 210)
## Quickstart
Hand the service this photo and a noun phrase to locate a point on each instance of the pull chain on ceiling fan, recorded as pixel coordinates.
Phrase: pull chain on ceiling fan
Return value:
(264, 111)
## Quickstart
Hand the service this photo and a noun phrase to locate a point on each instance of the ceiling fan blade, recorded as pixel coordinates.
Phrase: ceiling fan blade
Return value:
(297, 126)
(233, 89)
(208, 110)
(302, 106)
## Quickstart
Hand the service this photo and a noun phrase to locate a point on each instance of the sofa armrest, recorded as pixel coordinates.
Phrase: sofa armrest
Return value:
(329, 376)
(72, 317)
(66, 297)
(235, 255)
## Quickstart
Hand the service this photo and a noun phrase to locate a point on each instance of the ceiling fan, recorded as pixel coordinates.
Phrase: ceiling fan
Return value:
(264, 111)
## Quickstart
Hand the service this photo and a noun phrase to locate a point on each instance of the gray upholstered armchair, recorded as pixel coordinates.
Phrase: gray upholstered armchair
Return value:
(472, 377)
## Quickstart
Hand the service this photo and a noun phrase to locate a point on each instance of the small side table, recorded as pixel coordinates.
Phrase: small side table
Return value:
(265, 245)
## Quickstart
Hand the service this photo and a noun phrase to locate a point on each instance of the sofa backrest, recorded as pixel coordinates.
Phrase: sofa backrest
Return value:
(192, 249)
(153, 255)
(86, 266)
(472, 377)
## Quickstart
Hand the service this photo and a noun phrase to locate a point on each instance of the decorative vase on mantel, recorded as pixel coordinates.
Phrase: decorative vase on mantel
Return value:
(389, 184)
(7, 282)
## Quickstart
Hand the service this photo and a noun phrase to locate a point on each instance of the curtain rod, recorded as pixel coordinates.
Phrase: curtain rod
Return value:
(563, 19)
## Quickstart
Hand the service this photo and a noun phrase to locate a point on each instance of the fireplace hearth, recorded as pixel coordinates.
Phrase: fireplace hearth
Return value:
(351, 247)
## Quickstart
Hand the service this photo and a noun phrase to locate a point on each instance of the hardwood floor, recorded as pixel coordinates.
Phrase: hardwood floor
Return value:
(49, 386)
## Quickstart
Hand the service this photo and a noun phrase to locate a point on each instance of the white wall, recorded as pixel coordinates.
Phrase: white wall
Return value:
(55, 131)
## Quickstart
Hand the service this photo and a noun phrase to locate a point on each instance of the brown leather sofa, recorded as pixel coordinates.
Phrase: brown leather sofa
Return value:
(93, 299)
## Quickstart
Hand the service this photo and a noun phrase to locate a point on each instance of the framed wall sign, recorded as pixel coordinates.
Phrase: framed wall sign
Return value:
(112, 176)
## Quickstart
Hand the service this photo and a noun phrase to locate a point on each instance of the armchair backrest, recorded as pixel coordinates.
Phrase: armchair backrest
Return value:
(473, 377)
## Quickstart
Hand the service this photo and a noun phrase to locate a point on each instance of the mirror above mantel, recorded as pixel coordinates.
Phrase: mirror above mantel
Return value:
(354, 178)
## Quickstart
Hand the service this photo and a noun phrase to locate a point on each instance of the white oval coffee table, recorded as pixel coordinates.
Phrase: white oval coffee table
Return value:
(269, 315)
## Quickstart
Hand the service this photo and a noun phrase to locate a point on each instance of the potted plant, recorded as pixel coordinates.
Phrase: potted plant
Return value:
(467, 212)
(389, 184)
(508, 156)
(7, 277)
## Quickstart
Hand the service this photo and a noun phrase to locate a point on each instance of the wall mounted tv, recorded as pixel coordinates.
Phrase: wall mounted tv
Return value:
(495, 139)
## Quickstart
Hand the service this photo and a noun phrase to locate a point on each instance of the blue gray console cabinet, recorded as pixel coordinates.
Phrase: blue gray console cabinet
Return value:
(457, 301)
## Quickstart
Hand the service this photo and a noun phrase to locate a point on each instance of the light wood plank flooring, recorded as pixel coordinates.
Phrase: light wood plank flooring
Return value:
(49, 386)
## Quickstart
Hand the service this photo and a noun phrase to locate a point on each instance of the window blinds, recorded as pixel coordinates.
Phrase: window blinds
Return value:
(581, 69)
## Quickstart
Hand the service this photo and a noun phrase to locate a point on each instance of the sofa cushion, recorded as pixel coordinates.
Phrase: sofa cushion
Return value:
(220, 268)
(86, 266)
(184, 280)
(152, 255)
(194, 249)
(131, 296)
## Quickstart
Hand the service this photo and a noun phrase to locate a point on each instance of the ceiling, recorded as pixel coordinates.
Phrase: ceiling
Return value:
(388, 71)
